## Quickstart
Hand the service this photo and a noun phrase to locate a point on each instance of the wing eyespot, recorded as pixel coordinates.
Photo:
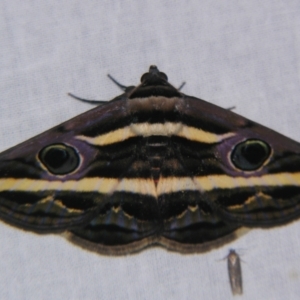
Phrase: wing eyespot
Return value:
(59, 159)
(250, 155)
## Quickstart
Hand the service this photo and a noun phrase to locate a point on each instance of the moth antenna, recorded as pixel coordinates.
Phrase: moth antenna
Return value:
(94, 102)
(231, 108)
(181, 86)
(121, 86)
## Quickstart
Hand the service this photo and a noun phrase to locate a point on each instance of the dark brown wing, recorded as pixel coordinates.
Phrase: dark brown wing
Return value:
(151, 166)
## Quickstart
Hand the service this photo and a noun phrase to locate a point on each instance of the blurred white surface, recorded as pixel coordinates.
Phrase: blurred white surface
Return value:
(231, 53)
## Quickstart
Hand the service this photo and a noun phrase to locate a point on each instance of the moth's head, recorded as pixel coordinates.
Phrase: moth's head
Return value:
(154, 77)
(154, 83)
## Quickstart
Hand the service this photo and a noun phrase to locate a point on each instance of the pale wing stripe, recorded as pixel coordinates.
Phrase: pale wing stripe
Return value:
(227, 182)
(238, 181)
(199, 135)
(147, 186)
(112, 137)
(100, 185)
(138, 186)
(84, 185)
(164, 129)
(291, 178)
(175, 184)
(208, 183)
(148, 129)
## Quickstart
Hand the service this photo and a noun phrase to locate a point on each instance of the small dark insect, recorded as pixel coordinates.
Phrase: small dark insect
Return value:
(235, 272)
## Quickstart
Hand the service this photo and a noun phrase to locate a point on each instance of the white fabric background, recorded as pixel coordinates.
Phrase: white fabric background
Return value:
(237, 52)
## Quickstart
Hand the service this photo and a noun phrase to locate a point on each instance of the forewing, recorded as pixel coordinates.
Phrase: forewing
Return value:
(48, 183)
(250, 175)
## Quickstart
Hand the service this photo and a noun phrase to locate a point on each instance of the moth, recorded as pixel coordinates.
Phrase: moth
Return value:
(235, 272)
(152, 166)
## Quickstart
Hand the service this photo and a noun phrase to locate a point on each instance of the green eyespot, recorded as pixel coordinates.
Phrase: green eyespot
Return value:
(59, 159)
(250, 155)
